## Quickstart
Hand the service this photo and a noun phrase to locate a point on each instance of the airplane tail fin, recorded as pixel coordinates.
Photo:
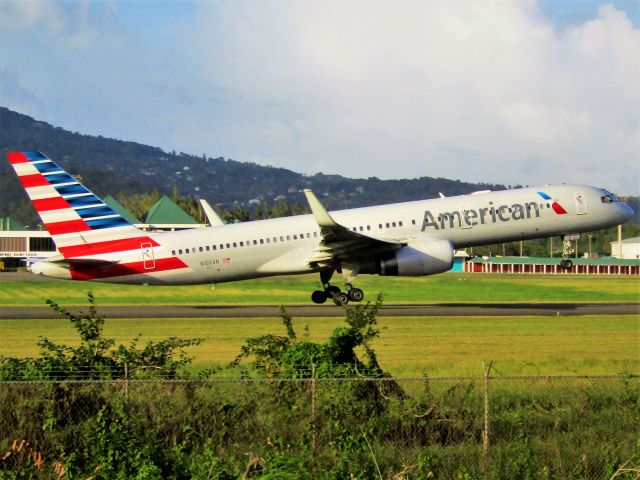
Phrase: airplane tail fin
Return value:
(79, 222)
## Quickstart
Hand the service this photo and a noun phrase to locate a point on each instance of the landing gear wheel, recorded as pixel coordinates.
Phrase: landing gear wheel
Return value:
(355, 295)
(340, 299)
(332, 290)
(318, 296)
(566, 264)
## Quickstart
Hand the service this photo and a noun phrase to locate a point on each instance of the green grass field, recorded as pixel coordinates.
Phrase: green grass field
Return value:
(439, 346)
(447, 288)
(407, 347)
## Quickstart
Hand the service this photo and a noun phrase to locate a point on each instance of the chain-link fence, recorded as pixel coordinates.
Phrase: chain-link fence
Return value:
(455, 427)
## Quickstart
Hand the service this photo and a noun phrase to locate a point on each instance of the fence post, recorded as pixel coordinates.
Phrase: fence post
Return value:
(126, 381)
(485, 432)
(313, 407)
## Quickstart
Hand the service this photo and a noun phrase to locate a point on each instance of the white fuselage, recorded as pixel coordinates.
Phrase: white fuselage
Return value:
(284, 245)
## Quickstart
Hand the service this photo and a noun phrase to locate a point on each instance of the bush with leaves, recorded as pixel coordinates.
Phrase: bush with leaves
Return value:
(97, 357)
(280, 356)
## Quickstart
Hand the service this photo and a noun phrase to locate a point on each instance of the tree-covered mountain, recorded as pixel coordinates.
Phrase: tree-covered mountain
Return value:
(116, 167)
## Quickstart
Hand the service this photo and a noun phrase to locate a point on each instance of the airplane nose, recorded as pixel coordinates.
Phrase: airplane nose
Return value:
(626, 212)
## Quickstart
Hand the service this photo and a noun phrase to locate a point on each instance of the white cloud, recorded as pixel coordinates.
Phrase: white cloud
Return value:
(481, 91)
(402, 89)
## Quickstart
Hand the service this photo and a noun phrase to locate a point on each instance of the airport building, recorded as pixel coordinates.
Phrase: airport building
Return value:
(629, 249)
(585, 266)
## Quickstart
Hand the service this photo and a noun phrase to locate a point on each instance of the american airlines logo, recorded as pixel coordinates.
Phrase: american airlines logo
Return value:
(466, 218)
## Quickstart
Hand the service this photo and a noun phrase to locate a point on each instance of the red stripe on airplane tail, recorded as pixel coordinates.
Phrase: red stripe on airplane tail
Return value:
(123, 270)
(109, 246)
(69, 226)
(17, 157)
(53, 203)
(35, 180)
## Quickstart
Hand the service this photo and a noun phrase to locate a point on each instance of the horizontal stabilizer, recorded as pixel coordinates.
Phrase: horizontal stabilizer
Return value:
(81, 262)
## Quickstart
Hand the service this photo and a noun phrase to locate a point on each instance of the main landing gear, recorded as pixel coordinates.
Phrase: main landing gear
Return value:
(332, 292)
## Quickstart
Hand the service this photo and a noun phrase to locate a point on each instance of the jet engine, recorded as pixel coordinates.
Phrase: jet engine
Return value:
(426, 257)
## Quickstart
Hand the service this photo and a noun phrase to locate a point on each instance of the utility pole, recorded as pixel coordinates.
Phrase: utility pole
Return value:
(619, 241)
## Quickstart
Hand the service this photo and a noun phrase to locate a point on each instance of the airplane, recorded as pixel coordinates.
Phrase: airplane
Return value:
(414, 238)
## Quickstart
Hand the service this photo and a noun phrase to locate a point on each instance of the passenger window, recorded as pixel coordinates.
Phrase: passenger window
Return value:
(242, 244)
(186, 250)
(288, 238)
(180, 252)
(380, 226)
(275, 239)
(173, 252)
(261, 241)
(387, 225)
(268, 240)
(255, 242)
(228, 245)
(235, 244)
(368, 227)
(393, 224)
(399, 224)
(295, 237)
(200, 249)
(221, 246)
(413, 222)
(361, 228)
(213, 247)
(282, 238)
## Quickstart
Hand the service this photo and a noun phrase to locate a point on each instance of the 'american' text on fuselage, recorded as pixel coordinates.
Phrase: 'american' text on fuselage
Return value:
(481, 216)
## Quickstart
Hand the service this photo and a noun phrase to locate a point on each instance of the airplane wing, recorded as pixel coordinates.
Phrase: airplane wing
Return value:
(339, 243)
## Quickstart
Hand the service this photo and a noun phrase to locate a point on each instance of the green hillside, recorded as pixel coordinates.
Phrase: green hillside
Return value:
(113, 167)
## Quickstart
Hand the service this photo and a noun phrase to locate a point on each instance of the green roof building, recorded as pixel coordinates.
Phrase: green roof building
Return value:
(166, 212)
(119, 208)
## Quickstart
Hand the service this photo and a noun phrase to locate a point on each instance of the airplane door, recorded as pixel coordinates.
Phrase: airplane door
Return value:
(581, 203)
(148, 259)
(465, 220)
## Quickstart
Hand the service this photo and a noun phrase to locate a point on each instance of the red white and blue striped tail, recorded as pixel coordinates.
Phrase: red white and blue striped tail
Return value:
(78, 221)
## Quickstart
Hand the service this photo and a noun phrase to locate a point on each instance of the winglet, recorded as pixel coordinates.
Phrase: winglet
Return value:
(212, 216)
(322, 216)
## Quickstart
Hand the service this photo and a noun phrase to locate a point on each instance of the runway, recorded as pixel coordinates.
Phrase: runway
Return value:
(297, 311)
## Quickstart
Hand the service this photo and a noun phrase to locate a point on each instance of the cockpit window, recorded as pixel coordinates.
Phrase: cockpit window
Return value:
(608, 197)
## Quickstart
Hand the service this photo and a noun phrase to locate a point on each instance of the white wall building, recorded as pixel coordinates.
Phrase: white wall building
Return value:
(630, 248)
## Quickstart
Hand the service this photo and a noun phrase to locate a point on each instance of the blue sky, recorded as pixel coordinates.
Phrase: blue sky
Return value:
(526, 92)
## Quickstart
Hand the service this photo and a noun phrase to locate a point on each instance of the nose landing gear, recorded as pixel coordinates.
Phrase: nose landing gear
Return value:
(567, 249)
